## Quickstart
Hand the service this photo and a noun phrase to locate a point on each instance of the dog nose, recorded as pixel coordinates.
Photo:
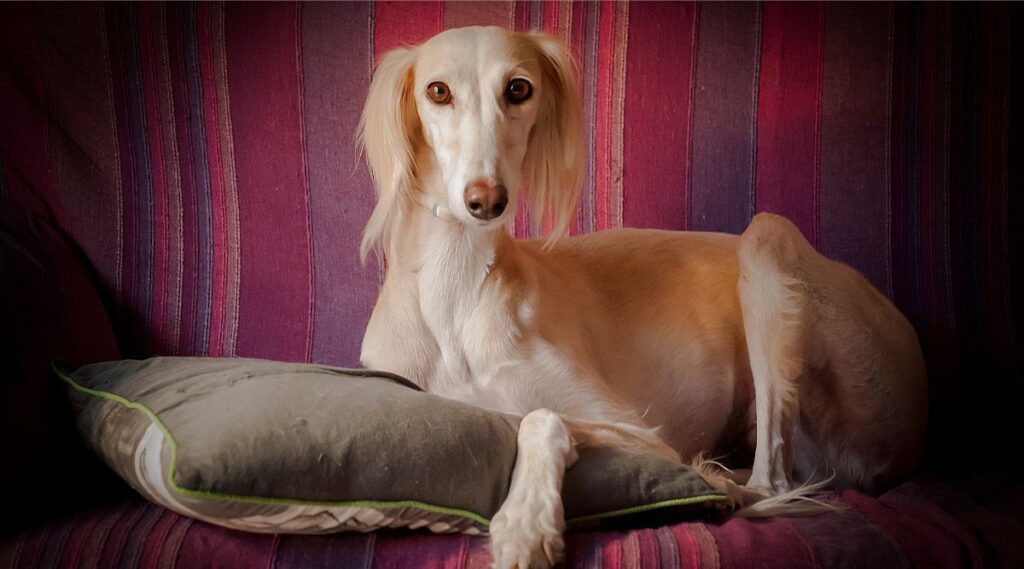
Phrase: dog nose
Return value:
(485, 200)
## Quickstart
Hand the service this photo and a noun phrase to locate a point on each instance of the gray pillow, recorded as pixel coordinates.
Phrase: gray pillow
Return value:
(302, 448)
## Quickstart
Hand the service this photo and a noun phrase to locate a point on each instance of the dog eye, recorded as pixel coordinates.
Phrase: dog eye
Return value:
(439, 93)
(518, 91)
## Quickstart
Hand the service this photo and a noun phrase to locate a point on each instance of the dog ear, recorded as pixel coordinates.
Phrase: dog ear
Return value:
(387, 129)
(555, 156)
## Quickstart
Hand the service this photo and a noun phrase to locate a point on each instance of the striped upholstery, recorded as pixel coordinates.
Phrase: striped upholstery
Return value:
(201, 156)
(918, 525)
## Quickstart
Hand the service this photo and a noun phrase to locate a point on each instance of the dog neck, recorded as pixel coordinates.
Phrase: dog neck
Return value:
(445, 265)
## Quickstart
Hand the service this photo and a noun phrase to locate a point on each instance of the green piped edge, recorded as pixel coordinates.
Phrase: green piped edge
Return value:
(381, 505)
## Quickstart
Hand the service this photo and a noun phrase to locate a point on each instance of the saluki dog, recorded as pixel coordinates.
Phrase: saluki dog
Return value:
(677, 343)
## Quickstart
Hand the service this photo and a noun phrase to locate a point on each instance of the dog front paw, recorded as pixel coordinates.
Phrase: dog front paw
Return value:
(528, 535)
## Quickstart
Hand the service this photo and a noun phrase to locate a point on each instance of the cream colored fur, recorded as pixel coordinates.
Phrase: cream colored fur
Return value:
(677, 343)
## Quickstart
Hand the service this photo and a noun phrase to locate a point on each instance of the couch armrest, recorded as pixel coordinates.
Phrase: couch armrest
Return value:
(49, 309)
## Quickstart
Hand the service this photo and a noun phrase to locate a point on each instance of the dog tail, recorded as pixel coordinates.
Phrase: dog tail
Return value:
(750, 502)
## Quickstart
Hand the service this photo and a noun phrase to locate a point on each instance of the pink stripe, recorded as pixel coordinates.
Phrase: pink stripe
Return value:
(603, 117)
(647, 549)
(150, 86)
(789, 112)
(274, 306)
(656, 135)
(211, 126)
(405, 23)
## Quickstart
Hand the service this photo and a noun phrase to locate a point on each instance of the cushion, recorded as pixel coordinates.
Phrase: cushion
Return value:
(303, 448)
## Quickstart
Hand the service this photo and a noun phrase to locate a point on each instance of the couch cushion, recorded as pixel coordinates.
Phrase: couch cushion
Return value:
(300, 448)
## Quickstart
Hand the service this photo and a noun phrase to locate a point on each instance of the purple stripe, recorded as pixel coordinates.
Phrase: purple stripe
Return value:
(322, 552)
(874, 547)
(335, 88)
(201, 180)
(854, 192)
(906, 163)
(725, 117)
(56, 541)
(142, 197)
(136, 540)
(189, 213)
(116, 535)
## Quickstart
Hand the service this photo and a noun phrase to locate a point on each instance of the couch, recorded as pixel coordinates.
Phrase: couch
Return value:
(181, 179)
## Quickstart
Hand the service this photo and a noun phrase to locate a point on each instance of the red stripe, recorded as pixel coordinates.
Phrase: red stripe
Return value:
(211, 126)
(493, 13)
(146, 16)
(788, 113)
(603, 117)
(656, 135)
(266, 113)
(405, 23)
(689, 551)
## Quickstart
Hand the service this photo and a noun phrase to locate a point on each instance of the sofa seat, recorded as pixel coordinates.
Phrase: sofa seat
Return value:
(976, 522)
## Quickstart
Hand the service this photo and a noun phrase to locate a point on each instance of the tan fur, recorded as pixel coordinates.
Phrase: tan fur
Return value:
(678, 343)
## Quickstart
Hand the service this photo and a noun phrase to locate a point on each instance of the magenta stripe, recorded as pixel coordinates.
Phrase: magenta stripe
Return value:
(725, 119)
(789, 104)
(335, 88)
(854, 210)
(274, 304)
(657, 129)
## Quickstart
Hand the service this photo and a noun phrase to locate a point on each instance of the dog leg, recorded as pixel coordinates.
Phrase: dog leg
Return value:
(527, 530)
(772, 301)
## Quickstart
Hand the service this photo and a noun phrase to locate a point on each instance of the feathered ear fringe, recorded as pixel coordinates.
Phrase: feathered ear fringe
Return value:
(555, 157)
(386, 130)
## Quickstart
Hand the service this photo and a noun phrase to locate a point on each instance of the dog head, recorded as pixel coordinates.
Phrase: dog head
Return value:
(476, 118)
